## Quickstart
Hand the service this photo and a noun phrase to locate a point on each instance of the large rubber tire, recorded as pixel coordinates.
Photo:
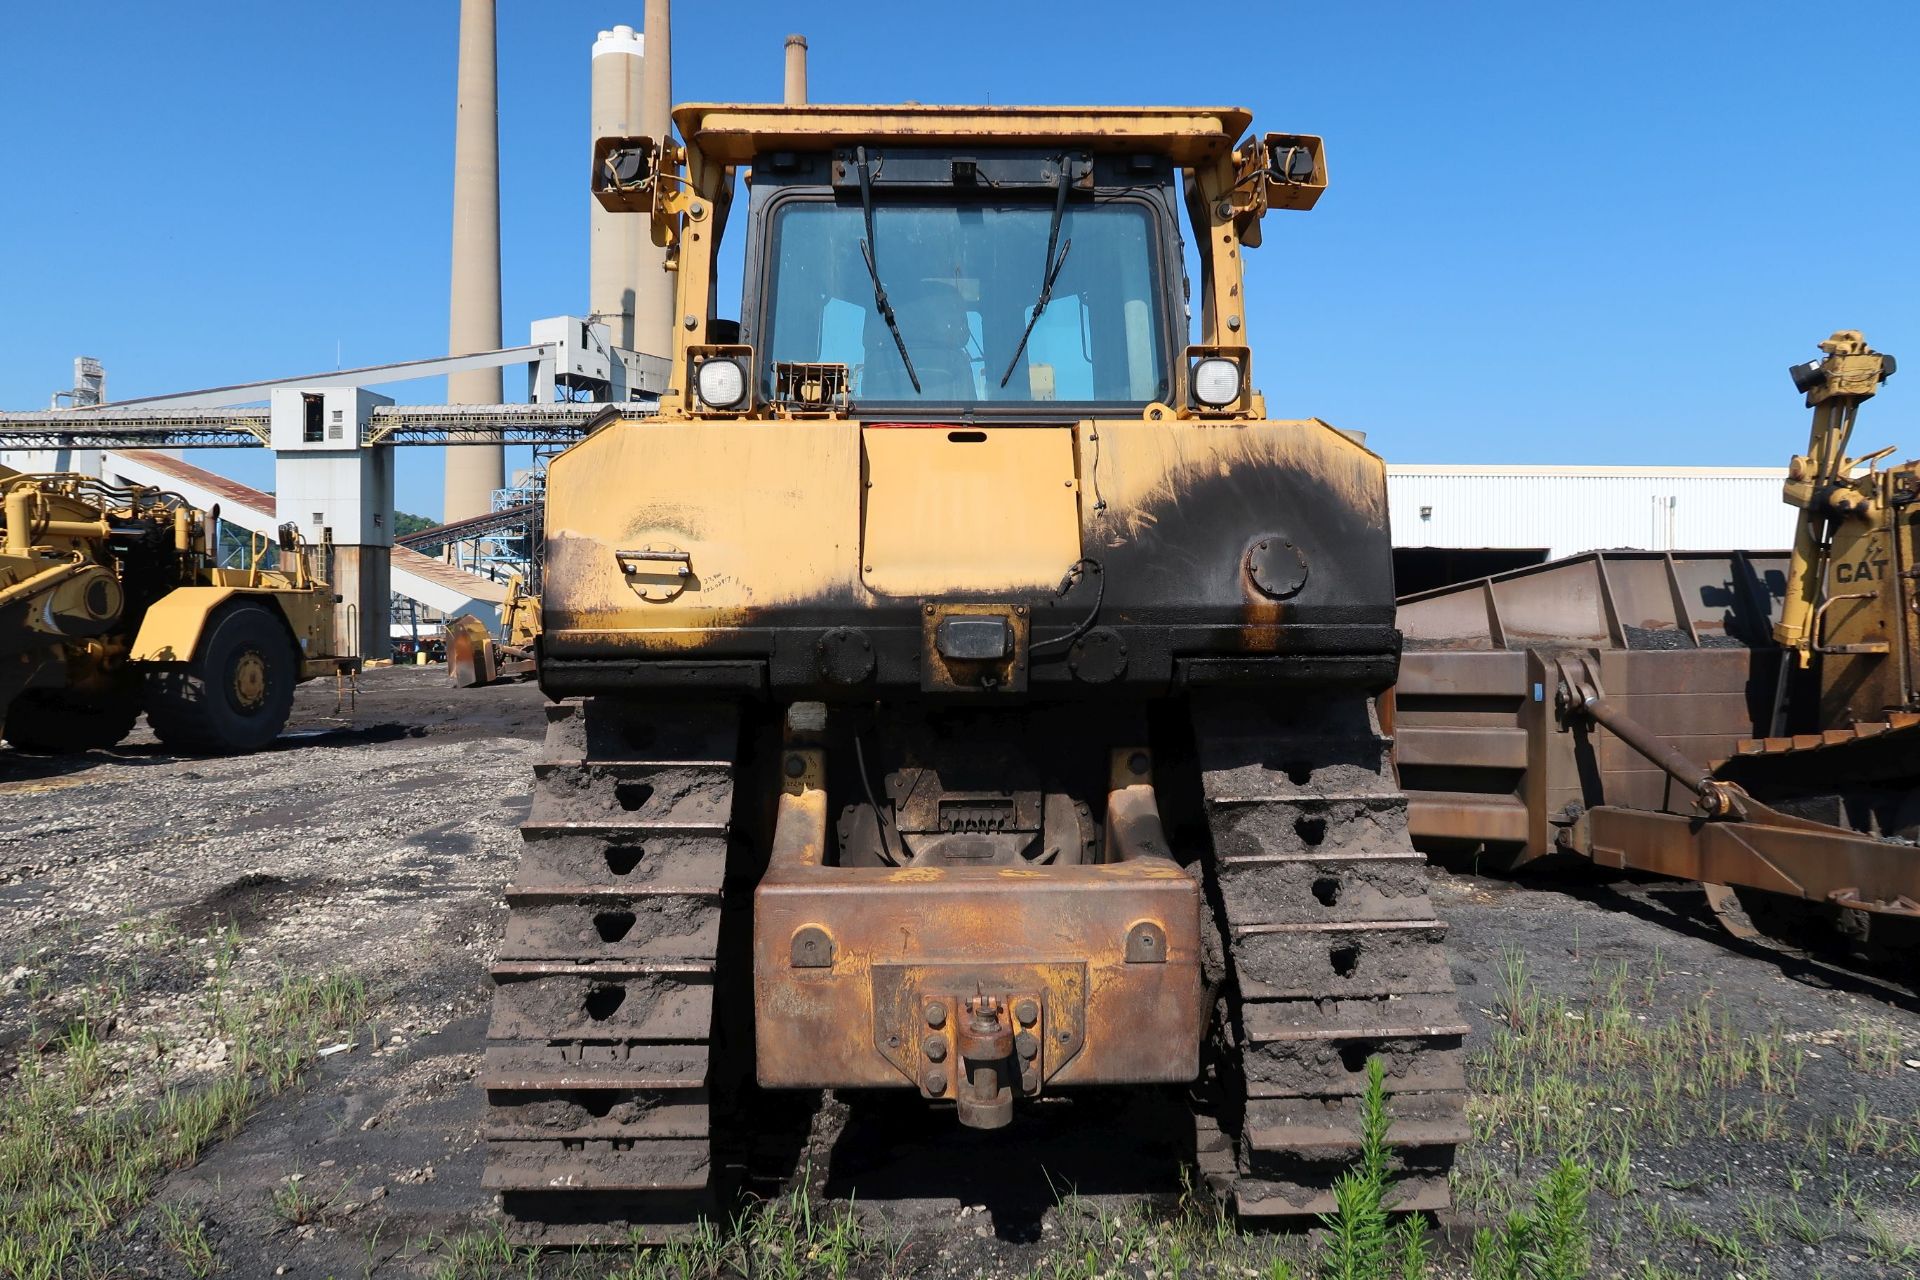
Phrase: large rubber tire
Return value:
(62, 722)
(235, 696)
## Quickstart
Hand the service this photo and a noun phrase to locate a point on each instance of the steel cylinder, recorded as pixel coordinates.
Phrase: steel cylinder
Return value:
(19, 509)
(654, 286)
(614, 240)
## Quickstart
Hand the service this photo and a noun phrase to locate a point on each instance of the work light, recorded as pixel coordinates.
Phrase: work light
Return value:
(722, 384)
(1216, 381)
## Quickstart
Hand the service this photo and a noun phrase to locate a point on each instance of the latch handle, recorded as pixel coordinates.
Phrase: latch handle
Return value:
(682, 558)
(647, 573)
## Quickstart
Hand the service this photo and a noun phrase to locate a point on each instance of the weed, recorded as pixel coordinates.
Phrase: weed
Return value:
(1883, 1245)
(1656, 971)
(482, 1253)
(297, 1204)
(1654, 1214)
(1410, 1246)
(1616, 1174)
(1357, 1248)
(1875, 1051)
(372, 1247)
(1592, 1079)
(1727, 1244)
(1761, 1217)
(1547, 1242)
(1518, 1006)
(1845, 1198)
(185, 1234)
(1480, 1186)
(1560, 1223)
(795, 1235)
(1501, 1255)
(706, 1253)
(1805, 1227)
(85, 1071)
(893, 1251)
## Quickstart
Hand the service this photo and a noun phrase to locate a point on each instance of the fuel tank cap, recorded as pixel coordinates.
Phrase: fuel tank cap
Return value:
(1276, 567)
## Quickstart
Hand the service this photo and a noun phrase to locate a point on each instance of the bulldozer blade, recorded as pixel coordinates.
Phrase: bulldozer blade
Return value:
(470, 657)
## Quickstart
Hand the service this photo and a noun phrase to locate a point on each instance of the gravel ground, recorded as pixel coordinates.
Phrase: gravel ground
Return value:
(1612, 1020)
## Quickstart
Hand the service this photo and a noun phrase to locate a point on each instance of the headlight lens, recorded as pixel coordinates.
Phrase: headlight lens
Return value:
(722, 384)
(1216, 381)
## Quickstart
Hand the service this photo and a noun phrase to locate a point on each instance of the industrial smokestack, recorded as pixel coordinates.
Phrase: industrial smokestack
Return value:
(653, 300)
(796, 95)
(474, 471)
(614, 240)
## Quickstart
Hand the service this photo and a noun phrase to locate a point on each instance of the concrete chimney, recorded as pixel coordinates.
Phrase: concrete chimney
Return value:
(615, 240)
(796, 94)
(474, 471)
(653, 285)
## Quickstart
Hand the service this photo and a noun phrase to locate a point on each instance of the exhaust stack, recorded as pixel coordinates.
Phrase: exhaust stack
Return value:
(796, 93)
(474, 471)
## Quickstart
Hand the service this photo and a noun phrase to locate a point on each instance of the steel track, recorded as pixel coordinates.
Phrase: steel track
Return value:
(1333, 956)
(597, 1067)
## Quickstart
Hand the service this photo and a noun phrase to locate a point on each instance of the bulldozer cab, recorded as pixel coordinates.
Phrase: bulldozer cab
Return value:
(955, 262)
(1013, 282)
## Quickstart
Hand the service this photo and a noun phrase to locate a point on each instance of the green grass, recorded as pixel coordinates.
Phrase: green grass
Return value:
(797, 1236)
(1599, 1078)
(482, 1254)
(1617, 1075)
(1875, 1050)
(298, 1203)
(1883, 1245)
(78, 1160)
(185, 1236)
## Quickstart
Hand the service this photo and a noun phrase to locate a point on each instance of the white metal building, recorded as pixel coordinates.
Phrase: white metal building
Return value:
(1562, 511)
(1455, 523)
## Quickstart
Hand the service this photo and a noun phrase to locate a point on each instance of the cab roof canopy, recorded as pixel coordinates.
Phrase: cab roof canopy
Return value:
(735, 133)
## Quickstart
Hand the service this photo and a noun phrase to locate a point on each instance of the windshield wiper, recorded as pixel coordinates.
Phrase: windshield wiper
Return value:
(1050, 269)
(873, 271)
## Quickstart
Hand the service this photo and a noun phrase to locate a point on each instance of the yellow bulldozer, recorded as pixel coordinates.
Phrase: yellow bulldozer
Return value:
(112, 603)
(963, 685)
(475, 656)
(1743, 718)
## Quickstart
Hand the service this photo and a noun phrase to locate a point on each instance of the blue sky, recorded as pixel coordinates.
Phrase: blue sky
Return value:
(1554, 233)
